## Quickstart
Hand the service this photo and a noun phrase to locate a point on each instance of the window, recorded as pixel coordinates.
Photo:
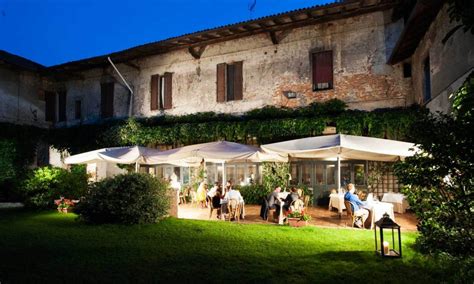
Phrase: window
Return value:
(229, 82)
(61, 106)
(322, 70)
(50, 106)
(426, 80)
(107, 100)
(77, 109)
(161, 91)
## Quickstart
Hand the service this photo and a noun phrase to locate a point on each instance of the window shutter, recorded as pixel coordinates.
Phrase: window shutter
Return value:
(322, 70)
(168, 98)
(221, 85)
(107, 100)
(50, 106)
(154, 92)
(238, 81)
(62, 106)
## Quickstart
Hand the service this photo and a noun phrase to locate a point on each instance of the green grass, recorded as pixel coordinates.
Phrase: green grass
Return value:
(51, 247)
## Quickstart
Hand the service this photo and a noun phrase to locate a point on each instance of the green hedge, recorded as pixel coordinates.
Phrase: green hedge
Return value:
(253, 194)
(127, 199)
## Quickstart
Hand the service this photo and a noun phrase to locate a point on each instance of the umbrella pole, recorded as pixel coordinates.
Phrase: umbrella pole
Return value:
(338, 173)
(136, 167)
(223, 175)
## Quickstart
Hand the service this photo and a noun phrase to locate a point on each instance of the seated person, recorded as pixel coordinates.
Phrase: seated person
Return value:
(273, 198)
(234, 194)
(356, 205)
(290, 198)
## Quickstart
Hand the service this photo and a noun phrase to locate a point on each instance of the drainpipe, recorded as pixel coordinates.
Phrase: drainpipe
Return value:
(126, 84)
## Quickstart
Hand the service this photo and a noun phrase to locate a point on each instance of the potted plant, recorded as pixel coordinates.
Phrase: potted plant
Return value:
(64, 205)
(298, 219)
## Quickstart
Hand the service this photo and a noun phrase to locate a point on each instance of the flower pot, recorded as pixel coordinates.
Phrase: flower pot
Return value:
(296, 222)
(64, 210)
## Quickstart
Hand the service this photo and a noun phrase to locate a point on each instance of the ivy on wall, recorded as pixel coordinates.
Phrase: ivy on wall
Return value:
(266, 125)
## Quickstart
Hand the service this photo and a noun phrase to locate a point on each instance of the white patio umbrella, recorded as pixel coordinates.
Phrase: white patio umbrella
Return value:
(214, 152)
(342, 146)
(120, 155)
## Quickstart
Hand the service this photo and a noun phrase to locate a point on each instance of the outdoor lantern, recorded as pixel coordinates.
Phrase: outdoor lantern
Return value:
(386, 248)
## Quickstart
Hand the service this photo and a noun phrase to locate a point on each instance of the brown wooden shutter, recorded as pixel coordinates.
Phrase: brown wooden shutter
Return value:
(221, 86)
(107, 100)
(168, 93)
(62, 106)
(322, 70)
(155, 79)
(238, 81)
(50, 106)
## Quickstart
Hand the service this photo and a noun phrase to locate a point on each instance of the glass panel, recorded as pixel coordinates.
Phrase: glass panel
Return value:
(331, 174)
(240, 175)
(211, 171)
(159, 172)
(230, 173)
(294, 174)
(251, 174)
(359, 174)
(185, 172)
(345, 174)
(219, 173)
(177, 172)
(318, 170)
(306, 174)
(167, 171)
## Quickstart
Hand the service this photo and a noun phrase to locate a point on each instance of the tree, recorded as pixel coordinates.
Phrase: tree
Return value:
(440, 179)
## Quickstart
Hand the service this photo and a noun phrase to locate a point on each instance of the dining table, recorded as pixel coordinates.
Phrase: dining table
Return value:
(281, 197)
(378, 209)
(336, 200)
(399, 201)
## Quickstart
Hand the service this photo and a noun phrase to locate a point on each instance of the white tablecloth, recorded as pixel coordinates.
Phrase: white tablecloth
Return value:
(282, 196)
(378, 209)
(397, 199)
(336, 201)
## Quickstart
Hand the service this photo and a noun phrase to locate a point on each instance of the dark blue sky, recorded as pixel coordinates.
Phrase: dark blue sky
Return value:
(57, 31)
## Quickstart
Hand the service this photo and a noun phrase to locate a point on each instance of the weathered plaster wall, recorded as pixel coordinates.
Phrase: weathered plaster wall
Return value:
(19, 101)
(362, 78)
(450, 63)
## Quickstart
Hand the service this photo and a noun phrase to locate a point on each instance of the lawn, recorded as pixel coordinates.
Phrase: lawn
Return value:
(52, 247)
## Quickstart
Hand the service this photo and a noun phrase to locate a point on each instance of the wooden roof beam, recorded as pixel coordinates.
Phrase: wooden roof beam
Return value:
(197, 51)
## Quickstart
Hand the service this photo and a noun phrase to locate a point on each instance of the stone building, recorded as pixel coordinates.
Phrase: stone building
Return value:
(368, 53)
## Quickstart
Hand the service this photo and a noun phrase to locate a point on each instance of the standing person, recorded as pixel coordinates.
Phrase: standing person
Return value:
(357, 205)
(201, 194)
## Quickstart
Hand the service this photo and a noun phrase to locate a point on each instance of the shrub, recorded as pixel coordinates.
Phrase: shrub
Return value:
(128, 199)
(440, 180)
(48, 183)
(254, 193)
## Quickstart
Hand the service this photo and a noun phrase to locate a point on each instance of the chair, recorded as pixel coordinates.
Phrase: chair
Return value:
(306, 200)
(233, 209)
(350, 214)
(182, 197)
(297, 205)
(300, 192)
(269, 210)
(214, 205)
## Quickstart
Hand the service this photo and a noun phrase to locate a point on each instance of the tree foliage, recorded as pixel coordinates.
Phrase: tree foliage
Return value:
(48, 183)
(275, 174)
(440, 179)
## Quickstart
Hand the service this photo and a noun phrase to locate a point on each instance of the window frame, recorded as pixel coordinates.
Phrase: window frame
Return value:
(314, 53)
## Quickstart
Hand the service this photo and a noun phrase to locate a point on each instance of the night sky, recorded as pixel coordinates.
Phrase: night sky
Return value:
(51, 32)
